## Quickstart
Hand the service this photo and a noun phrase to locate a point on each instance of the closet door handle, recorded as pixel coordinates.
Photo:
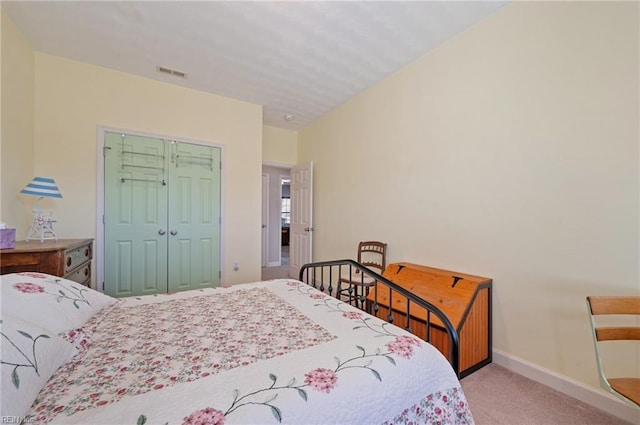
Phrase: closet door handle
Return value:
(162, 232)
(173, 232)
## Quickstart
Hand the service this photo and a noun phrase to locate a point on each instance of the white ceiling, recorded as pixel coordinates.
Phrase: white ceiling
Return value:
(300, 58)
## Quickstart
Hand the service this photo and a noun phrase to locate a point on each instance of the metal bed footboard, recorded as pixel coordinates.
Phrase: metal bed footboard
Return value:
(325, 276)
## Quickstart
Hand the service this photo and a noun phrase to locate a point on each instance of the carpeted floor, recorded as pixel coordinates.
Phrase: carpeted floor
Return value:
(278, 272)
(498, 396)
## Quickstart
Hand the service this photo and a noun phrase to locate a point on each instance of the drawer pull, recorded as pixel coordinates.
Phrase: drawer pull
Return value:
(68, 261)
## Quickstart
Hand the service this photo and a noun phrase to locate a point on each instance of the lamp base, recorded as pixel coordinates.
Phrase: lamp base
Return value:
(42, 226)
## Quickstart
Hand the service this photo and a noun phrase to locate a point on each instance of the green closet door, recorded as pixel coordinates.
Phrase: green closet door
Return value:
(162, 216)
(135, 220)
(194, 217)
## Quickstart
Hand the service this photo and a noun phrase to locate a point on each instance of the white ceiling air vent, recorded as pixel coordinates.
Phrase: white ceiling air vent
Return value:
(173, 72)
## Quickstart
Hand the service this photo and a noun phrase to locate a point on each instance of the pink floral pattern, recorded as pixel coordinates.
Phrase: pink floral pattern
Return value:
(448, 407)
(174, 346)
(75, 295)
(79, 338)
(29, 288)
(403, 346)
(352, 314)
(34, 275)
(208, 416)
(321, 379)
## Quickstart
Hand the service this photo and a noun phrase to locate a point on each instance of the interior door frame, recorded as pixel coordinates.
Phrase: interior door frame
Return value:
(265, 220)
(98, 246)
(282, 178)
(288, 168)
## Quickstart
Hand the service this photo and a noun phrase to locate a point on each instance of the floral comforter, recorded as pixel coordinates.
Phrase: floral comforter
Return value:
(259, 353)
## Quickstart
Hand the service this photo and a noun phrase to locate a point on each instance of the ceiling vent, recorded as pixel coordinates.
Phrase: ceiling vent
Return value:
(173, 72)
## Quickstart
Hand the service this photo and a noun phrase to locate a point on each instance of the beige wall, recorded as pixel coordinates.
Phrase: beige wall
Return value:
(279, 146)
(512, 152)
(16, 144)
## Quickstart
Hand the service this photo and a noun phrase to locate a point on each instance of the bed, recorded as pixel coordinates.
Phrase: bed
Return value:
(278, 351)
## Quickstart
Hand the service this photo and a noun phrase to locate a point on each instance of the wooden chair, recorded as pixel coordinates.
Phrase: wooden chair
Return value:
(371, 254)
(627, 389)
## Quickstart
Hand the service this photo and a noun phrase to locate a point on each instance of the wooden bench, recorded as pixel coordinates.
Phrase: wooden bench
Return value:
(465, 299)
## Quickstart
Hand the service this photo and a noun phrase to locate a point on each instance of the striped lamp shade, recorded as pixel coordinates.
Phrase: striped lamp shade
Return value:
(42, 186)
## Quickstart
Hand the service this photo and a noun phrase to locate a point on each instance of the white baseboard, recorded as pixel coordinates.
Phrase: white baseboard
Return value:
(273, 264)
(568, 386)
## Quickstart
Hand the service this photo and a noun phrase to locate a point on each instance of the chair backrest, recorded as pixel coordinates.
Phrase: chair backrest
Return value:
(373, 254)
(607, 305)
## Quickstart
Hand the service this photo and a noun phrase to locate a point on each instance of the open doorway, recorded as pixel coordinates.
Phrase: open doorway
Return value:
(276, 219)
(285, 219)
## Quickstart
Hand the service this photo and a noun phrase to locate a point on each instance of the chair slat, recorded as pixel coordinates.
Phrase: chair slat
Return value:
(618, 333)
(628, 387)
(614, 305)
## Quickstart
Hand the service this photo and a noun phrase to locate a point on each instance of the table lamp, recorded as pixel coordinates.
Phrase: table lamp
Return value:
(42, 225)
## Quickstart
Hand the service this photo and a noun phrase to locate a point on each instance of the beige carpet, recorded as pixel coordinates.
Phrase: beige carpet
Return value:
(498, 396)
(278, 272)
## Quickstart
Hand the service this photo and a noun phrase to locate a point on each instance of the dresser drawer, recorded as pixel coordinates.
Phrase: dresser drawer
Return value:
(75, 257)
(81, 275)
(68, 258)
(19, 260)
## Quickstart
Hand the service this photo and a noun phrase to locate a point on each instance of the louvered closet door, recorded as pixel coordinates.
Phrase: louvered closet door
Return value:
(162, 216)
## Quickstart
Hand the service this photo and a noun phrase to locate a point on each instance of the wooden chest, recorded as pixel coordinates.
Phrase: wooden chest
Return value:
(465, 299)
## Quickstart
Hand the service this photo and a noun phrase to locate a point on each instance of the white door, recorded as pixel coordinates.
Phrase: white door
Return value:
(301, 227)
(265, 219)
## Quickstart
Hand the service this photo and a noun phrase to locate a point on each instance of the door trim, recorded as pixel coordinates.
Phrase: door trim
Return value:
(287, 168)
(265, 220)
(282, 177)
(98, 246)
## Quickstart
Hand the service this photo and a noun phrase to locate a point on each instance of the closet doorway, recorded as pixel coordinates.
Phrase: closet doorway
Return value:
(161, 215)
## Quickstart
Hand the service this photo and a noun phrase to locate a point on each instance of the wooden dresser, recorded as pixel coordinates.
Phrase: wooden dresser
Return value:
(465, 299)
(68, 258)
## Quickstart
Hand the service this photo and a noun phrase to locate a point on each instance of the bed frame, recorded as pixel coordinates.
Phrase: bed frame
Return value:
(325, 276)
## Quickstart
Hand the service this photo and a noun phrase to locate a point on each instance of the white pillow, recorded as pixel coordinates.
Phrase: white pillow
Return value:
(30, 355)
(51, 302)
